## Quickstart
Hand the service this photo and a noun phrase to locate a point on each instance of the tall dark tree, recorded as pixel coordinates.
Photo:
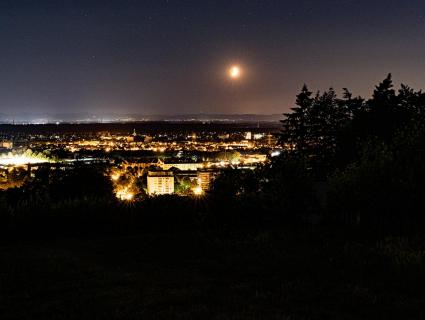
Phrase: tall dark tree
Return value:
(347, 144)
(411, 102)
(384, 115)
(328, 118)
(384, 96)
(295, 133)
(352, 105)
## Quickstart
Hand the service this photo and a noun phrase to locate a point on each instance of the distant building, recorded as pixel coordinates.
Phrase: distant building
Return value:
(206, 177)
(248, 135)
(192, 175)
(253, 158)
(224, 136)
(6, 144)
(135, 137)
(184, 166)
(271, 139)
(160, 182)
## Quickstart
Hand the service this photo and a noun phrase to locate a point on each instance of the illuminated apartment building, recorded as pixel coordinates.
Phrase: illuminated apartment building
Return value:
(160, 182)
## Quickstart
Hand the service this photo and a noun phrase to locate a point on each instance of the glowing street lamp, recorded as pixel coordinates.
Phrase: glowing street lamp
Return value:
(115, 176)
(125, 195)
(198, 191)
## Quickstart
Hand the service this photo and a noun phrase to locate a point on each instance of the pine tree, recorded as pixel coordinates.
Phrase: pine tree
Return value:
(411, 102)
(296, 125)
(407, 98)
(328, 118)
(355, 109)
(384, 116)
(383, 96)
(352, 106)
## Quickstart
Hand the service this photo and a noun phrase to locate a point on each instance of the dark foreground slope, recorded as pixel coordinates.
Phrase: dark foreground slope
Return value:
(251, 275)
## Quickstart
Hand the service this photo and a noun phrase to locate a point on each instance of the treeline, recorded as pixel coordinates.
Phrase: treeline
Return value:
(348, 163)
(369, 154)
(81, 201)
(330, 132)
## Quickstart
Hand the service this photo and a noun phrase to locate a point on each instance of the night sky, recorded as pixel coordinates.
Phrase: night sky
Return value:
(171, 57)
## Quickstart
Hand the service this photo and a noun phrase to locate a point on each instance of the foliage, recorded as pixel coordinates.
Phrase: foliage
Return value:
(385, 188)
(327, 131)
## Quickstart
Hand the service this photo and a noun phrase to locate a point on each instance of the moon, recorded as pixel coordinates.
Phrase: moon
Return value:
(234, 72)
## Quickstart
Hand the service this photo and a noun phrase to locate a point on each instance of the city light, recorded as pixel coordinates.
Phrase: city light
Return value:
(115, 176)
(198, 191)
(20, 160)
(125, 195)
(176, 160)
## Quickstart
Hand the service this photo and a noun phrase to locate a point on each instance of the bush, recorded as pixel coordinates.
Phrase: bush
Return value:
(385, 189)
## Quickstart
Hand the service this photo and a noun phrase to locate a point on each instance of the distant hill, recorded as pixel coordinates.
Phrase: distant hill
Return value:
(85, 117)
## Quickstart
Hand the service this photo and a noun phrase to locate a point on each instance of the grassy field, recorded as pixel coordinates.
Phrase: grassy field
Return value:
(261, 275)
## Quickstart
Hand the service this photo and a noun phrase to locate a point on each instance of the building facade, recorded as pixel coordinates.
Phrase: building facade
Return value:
(160, 182)
(6, 144)
(184, 166)
(205, 178)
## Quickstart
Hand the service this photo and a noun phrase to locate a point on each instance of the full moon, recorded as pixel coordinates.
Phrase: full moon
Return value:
(234, 72)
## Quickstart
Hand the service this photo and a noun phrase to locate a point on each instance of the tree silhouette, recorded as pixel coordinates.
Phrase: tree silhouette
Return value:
(328, 132)
(313, 129)
(327, 119)
(295, 133)
(383, 116)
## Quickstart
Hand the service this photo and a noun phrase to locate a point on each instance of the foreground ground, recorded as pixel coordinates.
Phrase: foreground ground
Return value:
(259, 275)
